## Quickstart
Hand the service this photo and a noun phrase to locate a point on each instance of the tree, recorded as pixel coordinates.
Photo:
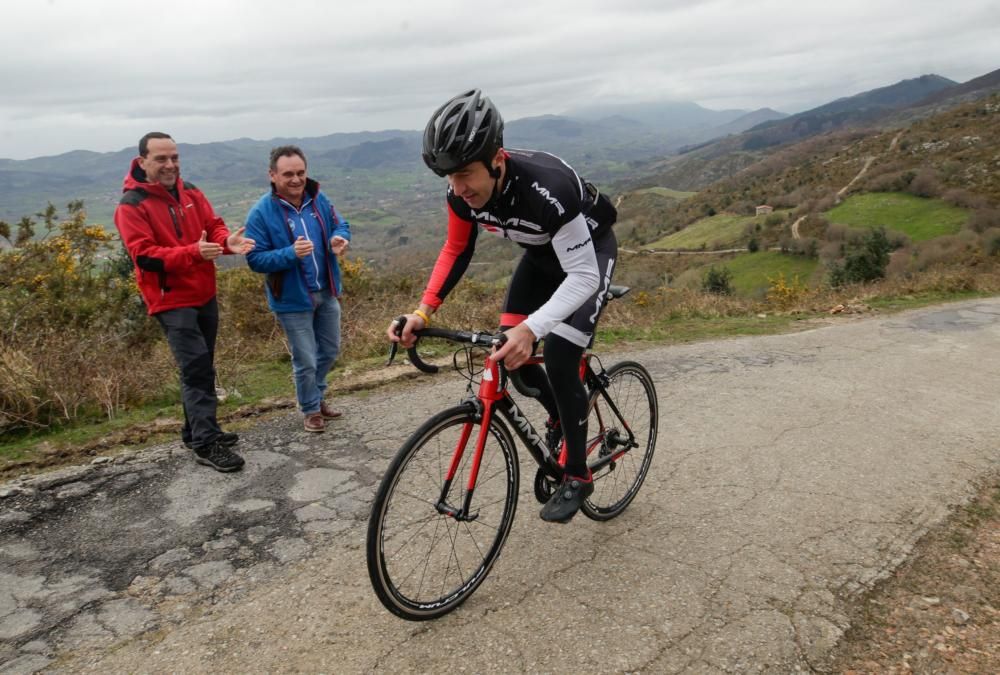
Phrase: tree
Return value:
(25, 231)
(48, 217)
(4, 229)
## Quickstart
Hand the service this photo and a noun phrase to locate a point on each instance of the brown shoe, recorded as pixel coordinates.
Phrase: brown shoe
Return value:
(327, 412)
(314, 423)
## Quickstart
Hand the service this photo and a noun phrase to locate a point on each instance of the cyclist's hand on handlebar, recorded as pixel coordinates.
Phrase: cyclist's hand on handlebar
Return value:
(413, 322)
(518, 348)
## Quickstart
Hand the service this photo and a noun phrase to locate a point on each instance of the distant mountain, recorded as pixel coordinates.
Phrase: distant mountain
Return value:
(317, 144)
(850, 111)
(702, 164)
(669, 117)
(748, 121)
(977, 86)
(399, 152)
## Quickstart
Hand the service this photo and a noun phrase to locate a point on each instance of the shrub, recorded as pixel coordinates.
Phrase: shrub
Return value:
(866, 262)
(993, 245)
(926, 184)
(984, 219)
(717, 280)
(753, 245)
(73, 333)
(782, 293)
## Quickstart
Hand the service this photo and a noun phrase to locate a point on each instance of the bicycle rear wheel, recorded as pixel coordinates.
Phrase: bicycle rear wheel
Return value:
(616, 483)
(424, 563)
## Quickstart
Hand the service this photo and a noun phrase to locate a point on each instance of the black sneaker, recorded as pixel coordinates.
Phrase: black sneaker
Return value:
(219, 457)
(226, 439)
(567, 499)
(553, 435)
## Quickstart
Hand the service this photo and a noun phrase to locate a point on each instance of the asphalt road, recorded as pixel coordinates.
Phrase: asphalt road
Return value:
(792, 473)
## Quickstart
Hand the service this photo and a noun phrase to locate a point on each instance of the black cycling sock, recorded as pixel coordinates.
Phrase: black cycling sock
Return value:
(562, 363)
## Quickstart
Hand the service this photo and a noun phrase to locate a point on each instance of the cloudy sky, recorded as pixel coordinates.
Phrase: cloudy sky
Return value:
(97, 74)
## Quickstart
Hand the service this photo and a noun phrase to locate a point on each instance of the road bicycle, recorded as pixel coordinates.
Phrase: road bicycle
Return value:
(447, 501)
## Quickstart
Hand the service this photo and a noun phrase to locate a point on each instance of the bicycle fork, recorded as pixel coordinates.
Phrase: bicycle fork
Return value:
(490, 392)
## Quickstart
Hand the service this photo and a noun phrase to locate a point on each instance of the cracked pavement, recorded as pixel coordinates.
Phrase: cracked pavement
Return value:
(792, 473)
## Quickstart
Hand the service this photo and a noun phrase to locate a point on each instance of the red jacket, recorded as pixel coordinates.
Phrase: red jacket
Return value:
(161, 233)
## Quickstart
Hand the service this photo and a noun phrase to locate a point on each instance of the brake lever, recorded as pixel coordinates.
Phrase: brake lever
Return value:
(394, 346)
(513, 375)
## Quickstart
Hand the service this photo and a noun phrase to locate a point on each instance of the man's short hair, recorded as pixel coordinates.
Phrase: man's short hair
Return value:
(286, 151)
(144, 141)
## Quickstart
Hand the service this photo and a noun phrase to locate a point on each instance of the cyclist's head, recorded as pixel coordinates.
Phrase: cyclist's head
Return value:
(466, 129)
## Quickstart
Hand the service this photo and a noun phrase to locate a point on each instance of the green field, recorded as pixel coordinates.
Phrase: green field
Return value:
(752, 270)
(918, 218)
(667, 192)
(720, 231)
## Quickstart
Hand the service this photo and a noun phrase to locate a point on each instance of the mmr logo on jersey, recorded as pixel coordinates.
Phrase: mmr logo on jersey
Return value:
(548, 197)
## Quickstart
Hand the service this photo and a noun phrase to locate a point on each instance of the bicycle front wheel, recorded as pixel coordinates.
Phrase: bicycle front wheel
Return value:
(620, 465)
(424, 560)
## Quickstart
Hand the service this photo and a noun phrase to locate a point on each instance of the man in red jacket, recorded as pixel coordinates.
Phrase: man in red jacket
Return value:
(173, 236)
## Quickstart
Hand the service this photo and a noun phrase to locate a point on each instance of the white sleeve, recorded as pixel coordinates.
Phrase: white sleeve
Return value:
(575, 249)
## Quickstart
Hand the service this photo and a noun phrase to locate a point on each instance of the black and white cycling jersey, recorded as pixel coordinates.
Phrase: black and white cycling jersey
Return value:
(545, 207)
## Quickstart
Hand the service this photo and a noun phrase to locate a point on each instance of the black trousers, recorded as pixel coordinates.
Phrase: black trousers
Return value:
(191, 332)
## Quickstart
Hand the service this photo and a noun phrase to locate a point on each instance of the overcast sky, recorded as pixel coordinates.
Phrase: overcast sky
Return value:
(97, 74)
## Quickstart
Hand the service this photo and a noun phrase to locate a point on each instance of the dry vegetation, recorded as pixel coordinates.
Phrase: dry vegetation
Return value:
(75, 343)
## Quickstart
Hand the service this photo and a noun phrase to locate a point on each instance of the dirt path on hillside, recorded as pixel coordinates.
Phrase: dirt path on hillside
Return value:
(794, 474)
(795, 227)
(864, 169)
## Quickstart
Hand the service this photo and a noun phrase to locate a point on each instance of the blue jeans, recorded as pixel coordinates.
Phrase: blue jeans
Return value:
(314, 338)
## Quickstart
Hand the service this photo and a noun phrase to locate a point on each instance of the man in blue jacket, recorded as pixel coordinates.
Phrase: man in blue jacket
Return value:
(298, 235)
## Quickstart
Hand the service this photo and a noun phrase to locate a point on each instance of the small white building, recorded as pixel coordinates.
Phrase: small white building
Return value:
(764, 209)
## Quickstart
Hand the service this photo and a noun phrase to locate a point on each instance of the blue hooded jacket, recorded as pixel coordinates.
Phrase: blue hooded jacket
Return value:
(274, 225)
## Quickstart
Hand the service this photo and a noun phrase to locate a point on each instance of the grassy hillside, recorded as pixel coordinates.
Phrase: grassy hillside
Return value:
(752, 271)
(918, 218)
(667, 192)
(951, 155)
(724, 230)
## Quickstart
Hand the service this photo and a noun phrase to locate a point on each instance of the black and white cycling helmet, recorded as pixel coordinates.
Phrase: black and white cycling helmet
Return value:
(466, 129)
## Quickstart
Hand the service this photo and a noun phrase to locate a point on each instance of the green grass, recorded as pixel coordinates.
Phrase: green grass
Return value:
(724, 230)
(751, 270)
(918, 218)
(667, 192)
(693, 329)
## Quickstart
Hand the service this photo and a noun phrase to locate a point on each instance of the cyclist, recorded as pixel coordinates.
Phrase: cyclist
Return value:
(558, 288)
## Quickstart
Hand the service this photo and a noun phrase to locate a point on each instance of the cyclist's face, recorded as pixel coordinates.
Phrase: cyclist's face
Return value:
(473, 183)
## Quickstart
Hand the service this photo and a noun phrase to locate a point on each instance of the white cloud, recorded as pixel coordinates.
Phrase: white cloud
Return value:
(97, 75)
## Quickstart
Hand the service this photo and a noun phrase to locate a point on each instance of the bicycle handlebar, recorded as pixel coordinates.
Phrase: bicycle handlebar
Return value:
(461, 336)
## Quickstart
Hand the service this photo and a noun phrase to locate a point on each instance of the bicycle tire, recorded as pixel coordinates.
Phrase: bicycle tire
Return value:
(422, 563)
(631, 387)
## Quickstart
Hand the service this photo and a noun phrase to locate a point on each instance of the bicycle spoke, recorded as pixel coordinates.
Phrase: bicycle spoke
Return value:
(617, 481)
(429, 562)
